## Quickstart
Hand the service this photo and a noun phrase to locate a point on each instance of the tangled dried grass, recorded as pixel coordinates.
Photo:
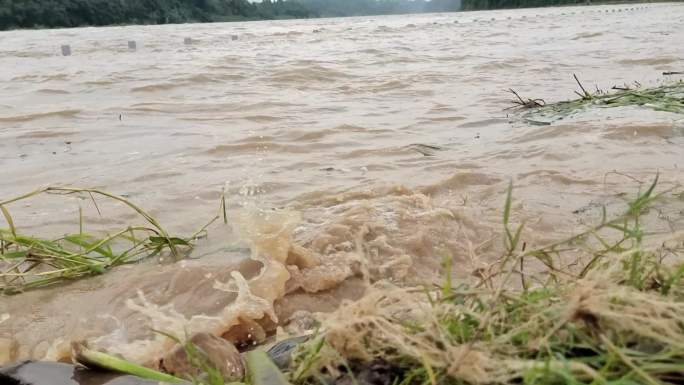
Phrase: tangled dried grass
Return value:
(617, 319)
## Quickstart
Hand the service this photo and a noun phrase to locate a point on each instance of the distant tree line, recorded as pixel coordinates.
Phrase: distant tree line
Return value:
(470, 5)
(332, 8)
(76, 13)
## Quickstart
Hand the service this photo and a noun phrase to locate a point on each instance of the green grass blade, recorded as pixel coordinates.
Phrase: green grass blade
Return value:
(95, 359)
(9, 220)
(262, 371)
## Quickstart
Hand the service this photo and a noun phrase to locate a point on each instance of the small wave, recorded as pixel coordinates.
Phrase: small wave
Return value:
(511, 63)
(98, 83)
(350, 128)
(156, 176)
(289, 34)
(372, 51)
(199, 78)
(452, 58)
(223, 150)
(482, 123)
(183, 81)
(41, 78)
(377, 152)
(156, 87)
(558, 177)
(26, 54)
(650, 61)
(446, 119)
(376, 88)
(40, 115)
(587, 35)
(260, 106)
(309, 74)
(263, 118)
(312, 136)
(549, 132)
(41, 134)
(496, 34)
(201, 110)
(51, 91)
(632, 132)
(383, 28)
(461, 181)
(388, 59)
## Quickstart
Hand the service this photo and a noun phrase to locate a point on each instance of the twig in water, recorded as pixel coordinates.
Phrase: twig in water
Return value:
(587, 95)
(529, 103)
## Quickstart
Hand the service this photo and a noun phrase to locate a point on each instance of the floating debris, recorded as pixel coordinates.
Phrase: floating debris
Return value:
(668, 98)
(28, 262)
(529, 103)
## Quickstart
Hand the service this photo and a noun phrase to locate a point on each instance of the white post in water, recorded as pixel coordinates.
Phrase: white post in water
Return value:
(66, 50)
(233, 37)
(187, 41)
(132, 45)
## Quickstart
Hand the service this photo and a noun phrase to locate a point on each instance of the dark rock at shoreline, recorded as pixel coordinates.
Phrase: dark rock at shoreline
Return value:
(218, 352)
(55, 373)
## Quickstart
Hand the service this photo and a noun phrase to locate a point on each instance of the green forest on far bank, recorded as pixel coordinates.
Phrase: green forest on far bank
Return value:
(76, 13)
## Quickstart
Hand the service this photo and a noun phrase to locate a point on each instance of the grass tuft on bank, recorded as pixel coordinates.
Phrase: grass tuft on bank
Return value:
(602, 309)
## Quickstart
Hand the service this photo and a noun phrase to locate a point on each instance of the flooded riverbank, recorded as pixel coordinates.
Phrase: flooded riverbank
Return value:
(349, 148)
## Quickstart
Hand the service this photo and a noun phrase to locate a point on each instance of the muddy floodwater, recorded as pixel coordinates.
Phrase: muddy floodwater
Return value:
(351, 150)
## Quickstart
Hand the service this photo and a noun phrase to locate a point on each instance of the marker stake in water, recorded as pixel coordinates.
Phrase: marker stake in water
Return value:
(66, 50)
(132, 45)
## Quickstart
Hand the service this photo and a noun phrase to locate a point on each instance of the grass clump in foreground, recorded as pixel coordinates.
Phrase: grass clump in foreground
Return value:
(669, 98)
(28, 262)
(612, 314)
(600, 308)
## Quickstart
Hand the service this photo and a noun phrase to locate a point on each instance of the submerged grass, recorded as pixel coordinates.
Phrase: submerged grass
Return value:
(668, 98)
(603, 310)
(28, 262)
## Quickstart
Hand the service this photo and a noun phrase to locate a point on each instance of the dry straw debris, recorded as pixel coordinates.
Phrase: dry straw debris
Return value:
(617, 318)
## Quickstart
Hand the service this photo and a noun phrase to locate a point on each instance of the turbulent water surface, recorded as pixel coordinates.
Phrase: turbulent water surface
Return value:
(348, 148)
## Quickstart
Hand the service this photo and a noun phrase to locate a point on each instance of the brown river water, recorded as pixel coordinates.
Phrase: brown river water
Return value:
(350, 150)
